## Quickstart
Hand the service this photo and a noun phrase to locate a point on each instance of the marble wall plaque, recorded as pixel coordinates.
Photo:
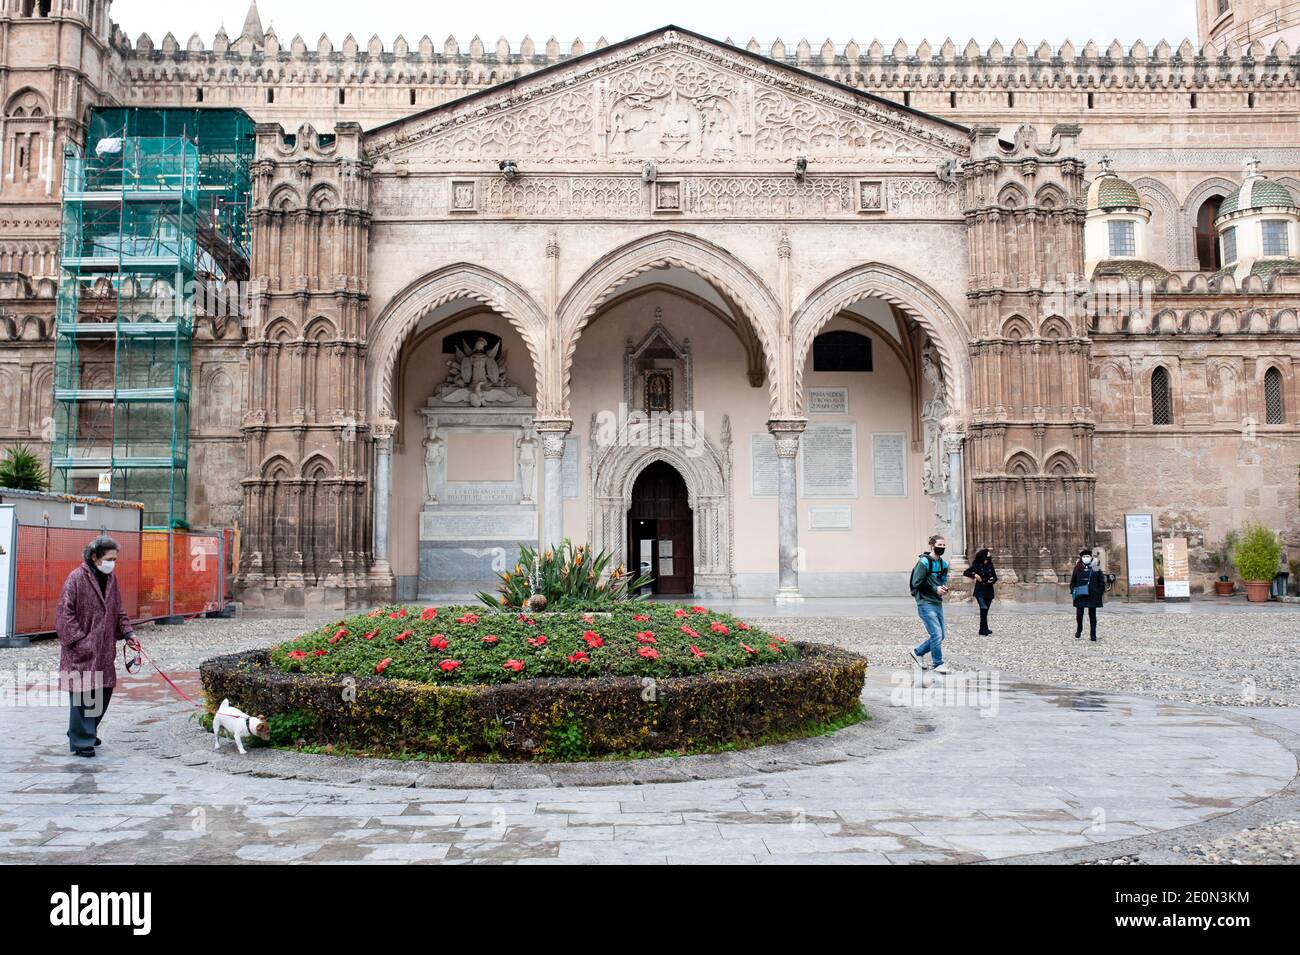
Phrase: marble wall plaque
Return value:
(466, 525)
(829, 461)
(889, 464)
(830, 517)
(569, 466)
(762, 464)
(480, 493)
(828, 400)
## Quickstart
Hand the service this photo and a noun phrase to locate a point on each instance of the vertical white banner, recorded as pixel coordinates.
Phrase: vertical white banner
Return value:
(1140, 550)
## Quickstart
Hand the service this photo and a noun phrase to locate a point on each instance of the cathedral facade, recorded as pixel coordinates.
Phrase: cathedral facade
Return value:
(758, 319)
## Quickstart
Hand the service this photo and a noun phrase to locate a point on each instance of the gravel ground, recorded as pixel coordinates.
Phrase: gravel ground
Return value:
(1237, 659)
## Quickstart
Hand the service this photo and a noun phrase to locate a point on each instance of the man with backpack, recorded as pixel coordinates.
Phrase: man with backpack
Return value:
(929, 587)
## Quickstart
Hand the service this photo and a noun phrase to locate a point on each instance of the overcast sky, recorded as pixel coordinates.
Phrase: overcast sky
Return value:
(841, 20)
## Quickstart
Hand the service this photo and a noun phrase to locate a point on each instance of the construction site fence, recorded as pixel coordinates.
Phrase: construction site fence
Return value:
(162, 574)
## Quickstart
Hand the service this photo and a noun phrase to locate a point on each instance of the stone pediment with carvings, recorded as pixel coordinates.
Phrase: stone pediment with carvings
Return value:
(669, 96)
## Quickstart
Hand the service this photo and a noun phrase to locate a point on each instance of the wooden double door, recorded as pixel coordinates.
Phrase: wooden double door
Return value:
(661, 530)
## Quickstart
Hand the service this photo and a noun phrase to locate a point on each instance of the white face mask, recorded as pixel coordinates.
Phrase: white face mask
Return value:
(106, 566)
(1087, 561)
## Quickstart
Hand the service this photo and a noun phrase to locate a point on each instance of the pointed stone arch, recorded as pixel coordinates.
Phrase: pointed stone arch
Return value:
(945, 326)
(708, 477)
(736, 282)
(462, 281)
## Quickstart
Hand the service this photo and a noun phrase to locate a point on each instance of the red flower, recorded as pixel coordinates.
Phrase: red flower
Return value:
(698, 609)
(680, 612)
(650, 653)
(527, 621)
(341, 632)
(491, 638)
(537, 641)
(641, 617)
(336, 638)
(321, 653)
(447, 666)
(579, 656)
(748, 648)
(696, 652)
(645, 636)
(779, 639)
(371, 635)
(515, 665)
(403, 635)
(396, 614)
(297, 655)
(717, 627)
(689, 630)
(374, 613)
(774, 648)
(428, 613)
(438, 642)
(470, 618)
(593, 639)
(382, 665)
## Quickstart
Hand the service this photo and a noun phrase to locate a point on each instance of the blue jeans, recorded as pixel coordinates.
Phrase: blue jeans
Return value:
(932, 616)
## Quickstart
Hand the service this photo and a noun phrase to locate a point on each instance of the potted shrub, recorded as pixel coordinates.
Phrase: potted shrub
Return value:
(1223, 557)
(1256, 555)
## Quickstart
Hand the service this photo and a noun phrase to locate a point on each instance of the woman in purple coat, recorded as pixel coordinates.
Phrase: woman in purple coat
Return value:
(89, 620)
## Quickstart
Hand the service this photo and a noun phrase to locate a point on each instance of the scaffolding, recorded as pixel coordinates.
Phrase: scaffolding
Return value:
(155, 212)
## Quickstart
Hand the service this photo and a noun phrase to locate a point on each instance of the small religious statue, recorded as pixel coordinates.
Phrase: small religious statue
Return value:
(527, 464)
(477, 377)
(434, 450)
(659, 390)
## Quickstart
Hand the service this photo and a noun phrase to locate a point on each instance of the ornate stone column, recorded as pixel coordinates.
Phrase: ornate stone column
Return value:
(382, 431)
(786, 433)
(552, 432)
(953, 443)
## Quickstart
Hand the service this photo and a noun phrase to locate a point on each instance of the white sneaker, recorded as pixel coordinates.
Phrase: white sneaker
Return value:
(920, 664)
(942, 668)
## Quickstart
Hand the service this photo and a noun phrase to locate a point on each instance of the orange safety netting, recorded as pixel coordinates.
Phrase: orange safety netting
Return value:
(196, 582)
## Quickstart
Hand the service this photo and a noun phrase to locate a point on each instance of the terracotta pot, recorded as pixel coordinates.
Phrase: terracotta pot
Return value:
(1257, 590)
(1223, 588)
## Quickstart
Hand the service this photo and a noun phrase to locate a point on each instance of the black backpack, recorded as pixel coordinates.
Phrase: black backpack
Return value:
(929, 570)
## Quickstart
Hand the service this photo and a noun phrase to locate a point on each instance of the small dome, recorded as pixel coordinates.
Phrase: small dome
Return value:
(1132, 269)
(1257, 192)
(1109, 191)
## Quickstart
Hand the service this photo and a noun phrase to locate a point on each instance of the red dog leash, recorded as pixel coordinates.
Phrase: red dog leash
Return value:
(134, 664)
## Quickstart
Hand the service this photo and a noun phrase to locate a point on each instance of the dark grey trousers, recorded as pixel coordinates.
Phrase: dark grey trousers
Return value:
(85, 710)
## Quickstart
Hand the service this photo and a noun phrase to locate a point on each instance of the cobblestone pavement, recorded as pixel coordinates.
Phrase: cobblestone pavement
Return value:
(1028, 770)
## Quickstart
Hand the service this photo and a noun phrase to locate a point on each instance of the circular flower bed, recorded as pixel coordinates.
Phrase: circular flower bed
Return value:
(464, 645)
(455, 682)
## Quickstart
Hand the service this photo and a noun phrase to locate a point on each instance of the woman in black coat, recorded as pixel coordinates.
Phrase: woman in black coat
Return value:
(1087, 584)
(985, 577)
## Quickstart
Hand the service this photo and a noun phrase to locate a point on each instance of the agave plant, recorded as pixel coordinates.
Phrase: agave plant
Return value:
(22, 470)
(570, 577)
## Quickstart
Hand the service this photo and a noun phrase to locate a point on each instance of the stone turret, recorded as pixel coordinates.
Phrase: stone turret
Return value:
(1259, 227)
(1116, 229)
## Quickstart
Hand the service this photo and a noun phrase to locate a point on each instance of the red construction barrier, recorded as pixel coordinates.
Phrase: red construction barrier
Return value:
(160, 574)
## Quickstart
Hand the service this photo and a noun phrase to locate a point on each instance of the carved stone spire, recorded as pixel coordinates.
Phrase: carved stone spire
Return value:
(253, 24)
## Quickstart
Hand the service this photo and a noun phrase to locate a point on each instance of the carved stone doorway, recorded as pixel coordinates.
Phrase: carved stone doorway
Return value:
(661, 529)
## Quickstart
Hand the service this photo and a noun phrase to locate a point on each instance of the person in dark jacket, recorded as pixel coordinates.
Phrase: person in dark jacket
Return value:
(89, 620)
(929, 586)
(1087, 584)
(982, 572)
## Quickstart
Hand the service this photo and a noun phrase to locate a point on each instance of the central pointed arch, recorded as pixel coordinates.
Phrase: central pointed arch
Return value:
(405, 310)
(735, 281)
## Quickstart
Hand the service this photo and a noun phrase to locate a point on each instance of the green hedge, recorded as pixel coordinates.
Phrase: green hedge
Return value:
(463, 646)
(549, 718)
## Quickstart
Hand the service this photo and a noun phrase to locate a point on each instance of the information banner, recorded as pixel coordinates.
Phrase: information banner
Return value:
(1177, 573)
(1140, 550)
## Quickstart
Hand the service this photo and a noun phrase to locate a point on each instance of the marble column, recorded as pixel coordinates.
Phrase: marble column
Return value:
(552, 481)
(786, 434)
(956, 495)
(383, 490)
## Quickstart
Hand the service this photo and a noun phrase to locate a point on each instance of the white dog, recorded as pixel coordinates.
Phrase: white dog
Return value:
(238, 724)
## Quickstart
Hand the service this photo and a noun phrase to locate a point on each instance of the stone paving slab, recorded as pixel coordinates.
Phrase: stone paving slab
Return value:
(1055, 771)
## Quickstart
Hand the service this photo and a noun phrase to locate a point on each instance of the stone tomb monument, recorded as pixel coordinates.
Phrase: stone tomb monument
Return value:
(480, 475)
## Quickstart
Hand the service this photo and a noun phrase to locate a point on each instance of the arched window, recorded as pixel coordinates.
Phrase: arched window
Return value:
(1207, 242)
(1162, 404)
(841, 351)
(1274, 407)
